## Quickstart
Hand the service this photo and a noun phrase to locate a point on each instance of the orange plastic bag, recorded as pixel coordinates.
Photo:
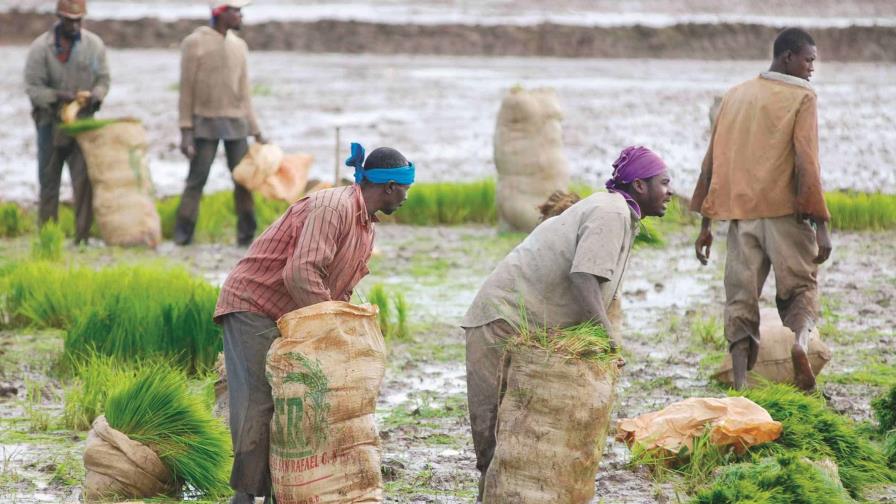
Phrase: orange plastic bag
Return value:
(735, 421)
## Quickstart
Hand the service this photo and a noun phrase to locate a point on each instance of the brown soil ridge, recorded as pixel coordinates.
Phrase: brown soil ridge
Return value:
(688, 40)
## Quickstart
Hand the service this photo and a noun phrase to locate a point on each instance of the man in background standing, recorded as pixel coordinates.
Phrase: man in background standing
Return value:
(761, 173)
(65, 64)
(215, 104)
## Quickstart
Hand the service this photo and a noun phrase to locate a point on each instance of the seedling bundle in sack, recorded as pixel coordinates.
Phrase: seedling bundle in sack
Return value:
(553, 416)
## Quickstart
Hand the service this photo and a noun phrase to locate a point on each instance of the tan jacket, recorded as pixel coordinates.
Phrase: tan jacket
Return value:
(762, 159)
(214, 79)
(85, 70)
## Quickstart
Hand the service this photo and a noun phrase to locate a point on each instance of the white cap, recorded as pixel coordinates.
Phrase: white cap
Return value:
(237, 4)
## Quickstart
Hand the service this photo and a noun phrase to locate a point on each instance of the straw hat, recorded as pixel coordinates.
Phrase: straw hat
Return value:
(74, 9)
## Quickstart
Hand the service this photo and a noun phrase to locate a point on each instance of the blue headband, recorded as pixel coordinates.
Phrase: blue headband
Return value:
(403, 175)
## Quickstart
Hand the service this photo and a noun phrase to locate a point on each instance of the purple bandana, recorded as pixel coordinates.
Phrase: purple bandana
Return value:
(632, 164)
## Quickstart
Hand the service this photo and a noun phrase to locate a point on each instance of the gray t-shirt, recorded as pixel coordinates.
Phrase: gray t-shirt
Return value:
(593, 236)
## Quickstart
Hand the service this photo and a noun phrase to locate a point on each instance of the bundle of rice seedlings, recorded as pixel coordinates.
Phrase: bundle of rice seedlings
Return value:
(393, 312)
(94, 377)
(786, 479)
(814, 431)
(885, 410)
(649, 234)
(449, 203)
(587, 341)
(48, 244)
(217, 218)
(859, 211)
(890, 448)
(156, 409)
(85, 125)
(13, 220)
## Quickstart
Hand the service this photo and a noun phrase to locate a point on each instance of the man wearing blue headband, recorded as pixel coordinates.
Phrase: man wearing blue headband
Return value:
(317, 251)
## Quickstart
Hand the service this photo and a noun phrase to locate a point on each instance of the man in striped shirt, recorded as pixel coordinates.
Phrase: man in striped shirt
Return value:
(317, 251)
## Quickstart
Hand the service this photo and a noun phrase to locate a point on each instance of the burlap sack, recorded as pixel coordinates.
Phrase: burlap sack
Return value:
(529, 156)
(774, 362)
(734, 421)
(123, 194)
(121, 468)
(288, 182)
(257, 165)
(325, 374)
(552, 428)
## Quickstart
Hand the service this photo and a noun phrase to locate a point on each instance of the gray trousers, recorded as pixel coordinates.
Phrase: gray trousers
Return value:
(485, 367)
(52, 154)
(787, 246)
(247, 339)
(200, 165)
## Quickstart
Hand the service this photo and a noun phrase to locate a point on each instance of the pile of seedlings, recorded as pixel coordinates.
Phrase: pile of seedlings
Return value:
(155, 407)
(885, 411)
(393, 312)
(587, 341)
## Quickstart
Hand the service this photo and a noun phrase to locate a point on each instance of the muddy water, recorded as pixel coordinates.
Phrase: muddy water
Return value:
(440, 111)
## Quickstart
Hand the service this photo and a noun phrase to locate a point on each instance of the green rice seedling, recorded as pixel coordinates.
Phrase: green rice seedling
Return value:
(377, 296)
(587, 341)
(860, 211)
(885, 410)
(812, 430)
(890, 448)
(14, 221)
(401, 313)
(649, 235)
(85, 125)
(38, 418)
(449, 203)
(69, 471)
(695, 465)
(94, 376)
(786, 479)
(155, 408)
(707, 333)
(217, 217)
(47, 246)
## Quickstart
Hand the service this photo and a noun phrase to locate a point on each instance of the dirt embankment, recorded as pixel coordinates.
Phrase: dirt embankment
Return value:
(701, 41)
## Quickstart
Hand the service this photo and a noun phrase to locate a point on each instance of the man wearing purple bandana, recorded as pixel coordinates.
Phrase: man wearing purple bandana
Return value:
(566, 272)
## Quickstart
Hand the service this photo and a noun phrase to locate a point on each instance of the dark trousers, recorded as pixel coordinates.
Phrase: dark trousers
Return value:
(200, 165)
(50, 158)
(247, 339)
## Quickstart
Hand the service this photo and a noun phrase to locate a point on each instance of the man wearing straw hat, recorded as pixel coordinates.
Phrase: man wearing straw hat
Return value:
(317, 251)
(215, 105)
(563, 274)
(761, 173)
(65, 64)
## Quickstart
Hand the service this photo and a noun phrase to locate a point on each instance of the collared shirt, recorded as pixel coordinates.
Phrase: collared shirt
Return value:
(214, 79)
(316, 251)
(85, 70)
(594, 236)
(762, 160)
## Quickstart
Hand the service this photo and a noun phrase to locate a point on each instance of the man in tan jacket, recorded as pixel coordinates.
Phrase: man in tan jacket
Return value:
(761, 173)
(62, 63)
(215, 104)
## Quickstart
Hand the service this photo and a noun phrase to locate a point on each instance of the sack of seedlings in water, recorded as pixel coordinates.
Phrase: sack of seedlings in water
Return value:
(553, 416)
(121, 468)
(123, 194)
(773, 362)
(325, 372)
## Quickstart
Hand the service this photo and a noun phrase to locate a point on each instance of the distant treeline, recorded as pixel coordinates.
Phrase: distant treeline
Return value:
(687, 40)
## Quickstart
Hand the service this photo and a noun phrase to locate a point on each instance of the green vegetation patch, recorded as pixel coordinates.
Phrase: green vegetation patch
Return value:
(885, 410)
(47, 245)
(587, 341)
(860, 211)
(128, 312)
(217, 218)
(871, 373)
(393, 312)
(155, 408)
(449, 203)
(84, 125)
(14, 220)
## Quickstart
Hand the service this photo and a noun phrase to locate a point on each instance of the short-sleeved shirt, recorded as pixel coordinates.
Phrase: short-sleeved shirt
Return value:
(594, 236)
(317, 251)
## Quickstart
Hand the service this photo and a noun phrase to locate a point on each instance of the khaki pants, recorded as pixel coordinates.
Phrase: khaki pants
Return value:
(485, 364)
(785, 244)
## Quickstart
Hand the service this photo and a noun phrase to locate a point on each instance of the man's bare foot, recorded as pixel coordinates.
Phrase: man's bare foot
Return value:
(802, 369)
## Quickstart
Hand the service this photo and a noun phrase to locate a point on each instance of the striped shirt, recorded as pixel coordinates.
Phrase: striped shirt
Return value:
(317, 251)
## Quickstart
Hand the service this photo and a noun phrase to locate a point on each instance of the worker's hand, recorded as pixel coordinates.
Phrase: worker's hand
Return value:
(65, 96)
(823, 239)
(259, 138)
(187, 145)
(703, 245)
